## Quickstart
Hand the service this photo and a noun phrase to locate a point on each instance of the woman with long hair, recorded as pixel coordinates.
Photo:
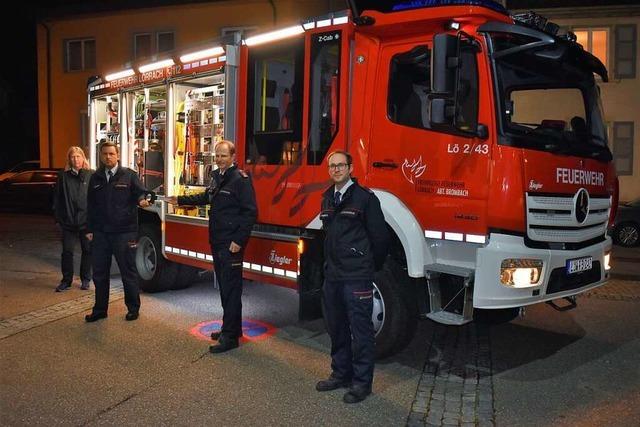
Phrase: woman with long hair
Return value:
(70, 212)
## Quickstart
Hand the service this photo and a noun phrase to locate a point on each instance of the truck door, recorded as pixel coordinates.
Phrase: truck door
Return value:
(326, 98)
(439, 171)
(273, 105)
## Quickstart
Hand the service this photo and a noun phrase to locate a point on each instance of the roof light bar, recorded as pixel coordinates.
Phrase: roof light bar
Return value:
(120, 74)
(274, 35)
(156, 65)
(206, 53)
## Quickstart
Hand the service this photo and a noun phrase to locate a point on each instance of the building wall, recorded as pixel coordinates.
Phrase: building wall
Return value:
(63, 103)
(620, 97)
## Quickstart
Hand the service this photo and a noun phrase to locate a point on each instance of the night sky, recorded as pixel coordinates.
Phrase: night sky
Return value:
(18, 81)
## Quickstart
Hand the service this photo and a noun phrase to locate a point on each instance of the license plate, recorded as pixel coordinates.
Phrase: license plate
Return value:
(579, 264)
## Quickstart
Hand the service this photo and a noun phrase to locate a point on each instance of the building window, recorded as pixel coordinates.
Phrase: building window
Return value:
(80, 55)
(596, 41)
(165, 41)
(623, 147)
(147, 44)
(142, 45)
(625, 60)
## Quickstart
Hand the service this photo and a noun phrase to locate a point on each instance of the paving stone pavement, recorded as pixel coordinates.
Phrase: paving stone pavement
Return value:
(616, 290)
(456, 386)
(54, 312)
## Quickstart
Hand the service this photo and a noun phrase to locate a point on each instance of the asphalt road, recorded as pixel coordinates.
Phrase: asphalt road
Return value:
(548, 368)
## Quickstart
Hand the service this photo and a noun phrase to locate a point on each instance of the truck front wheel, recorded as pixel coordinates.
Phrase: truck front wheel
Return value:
(394, 319)
(156, 273)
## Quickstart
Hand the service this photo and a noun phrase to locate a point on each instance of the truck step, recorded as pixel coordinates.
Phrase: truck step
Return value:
(448, 318)
(450, 269)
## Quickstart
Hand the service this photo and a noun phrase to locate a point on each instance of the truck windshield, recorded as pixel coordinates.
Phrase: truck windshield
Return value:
(545, 103)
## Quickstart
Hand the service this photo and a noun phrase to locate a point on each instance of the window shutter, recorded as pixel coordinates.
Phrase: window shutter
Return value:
(142, 45)
(89, 54)
(166, 42)
(623, 147)
(74, 55)
(625, 51)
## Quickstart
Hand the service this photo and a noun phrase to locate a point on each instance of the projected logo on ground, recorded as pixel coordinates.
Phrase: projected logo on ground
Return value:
(252, 330)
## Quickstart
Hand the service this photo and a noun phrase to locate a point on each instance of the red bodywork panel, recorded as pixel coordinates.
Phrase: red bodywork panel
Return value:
(271, 261)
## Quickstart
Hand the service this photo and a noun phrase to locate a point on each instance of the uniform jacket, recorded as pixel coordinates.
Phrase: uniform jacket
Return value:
(70, 199)
(357, 238)
(113, 205)
(233, 206)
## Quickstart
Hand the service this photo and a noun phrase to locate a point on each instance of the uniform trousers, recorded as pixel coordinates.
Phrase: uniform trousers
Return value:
(228, 268)
(348, 306)
(123, 247)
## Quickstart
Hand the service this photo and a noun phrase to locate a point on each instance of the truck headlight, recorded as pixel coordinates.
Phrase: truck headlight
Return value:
(520, 273)
(607, 261)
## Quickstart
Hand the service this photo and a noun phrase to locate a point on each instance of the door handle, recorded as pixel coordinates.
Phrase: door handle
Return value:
(391, 165)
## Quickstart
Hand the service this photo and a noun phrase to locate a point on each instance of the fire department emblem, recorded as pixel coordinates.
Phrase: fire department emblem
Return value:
(414, 169)
(581, 206)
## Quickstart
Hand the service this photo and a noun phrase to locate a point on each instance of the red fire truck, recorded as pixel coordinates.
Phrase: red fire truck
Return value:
(481, 133)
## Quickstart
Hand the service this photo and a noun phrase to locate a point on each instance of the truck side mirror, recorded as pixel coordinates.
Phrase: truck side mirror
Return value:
(444, 64)
(482, 131)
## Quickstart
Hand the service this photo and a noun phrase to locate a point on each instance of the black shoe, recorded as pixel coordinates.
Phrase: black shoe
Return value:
(224, 345)
(132, 315)
(356, 394)
(332, 383)
(217, 334)
(94, 316)
(63, 287)
(84, 286)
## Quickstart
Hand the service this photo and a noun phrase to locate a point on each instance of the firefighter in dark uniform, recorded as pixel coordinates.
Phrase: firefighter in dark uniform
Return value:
(114, 194)
(356, 245)
(231, 218)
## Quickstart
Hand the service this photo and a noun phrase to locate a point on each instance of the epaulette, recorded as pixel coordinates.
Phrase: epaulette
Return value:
(243, 173)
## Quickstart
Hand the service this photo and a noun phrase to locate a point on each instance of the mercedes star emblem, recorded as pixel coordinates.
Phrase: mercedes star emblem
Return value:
(582, 205)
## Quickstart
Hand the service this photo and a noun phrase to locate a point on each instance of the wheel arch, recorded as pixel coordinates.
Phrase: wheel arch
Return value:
(406, 228)
(409, 234)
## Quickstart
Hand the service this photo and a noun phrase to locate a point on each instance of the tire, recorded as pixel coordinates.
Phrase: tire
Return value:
(394, 310)
(157, 274)
(185, 277)
(627, 234)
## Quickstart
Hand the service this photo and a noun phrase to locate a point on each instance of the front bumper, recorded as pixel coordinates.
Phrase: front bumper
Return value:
(554, 283)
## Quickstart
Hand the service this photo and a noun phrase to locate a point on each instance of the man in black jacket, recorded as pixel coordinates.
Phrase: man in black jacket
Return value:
(231, 218)
(70, 213)
(115, 192)
(356, 245)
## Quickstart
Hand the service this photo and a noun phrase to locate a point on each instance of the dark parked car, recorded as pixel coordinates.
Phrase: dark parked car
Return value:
(626, 227)
(20, 167)
(30, 190)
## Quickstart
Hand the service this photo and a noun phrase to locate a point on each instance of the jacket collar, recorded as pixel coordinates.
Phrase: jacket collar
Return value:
(102, 172)
(227, 173)
(329, 192)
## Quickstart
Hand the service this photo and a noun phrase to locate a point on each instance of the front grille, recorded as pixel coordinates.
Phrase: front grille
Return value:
(560, 281)
(552, 219)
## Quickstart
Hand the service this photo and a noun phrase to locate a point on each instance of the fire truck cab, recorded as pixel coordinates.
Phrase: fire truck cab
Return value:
(481, 133)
